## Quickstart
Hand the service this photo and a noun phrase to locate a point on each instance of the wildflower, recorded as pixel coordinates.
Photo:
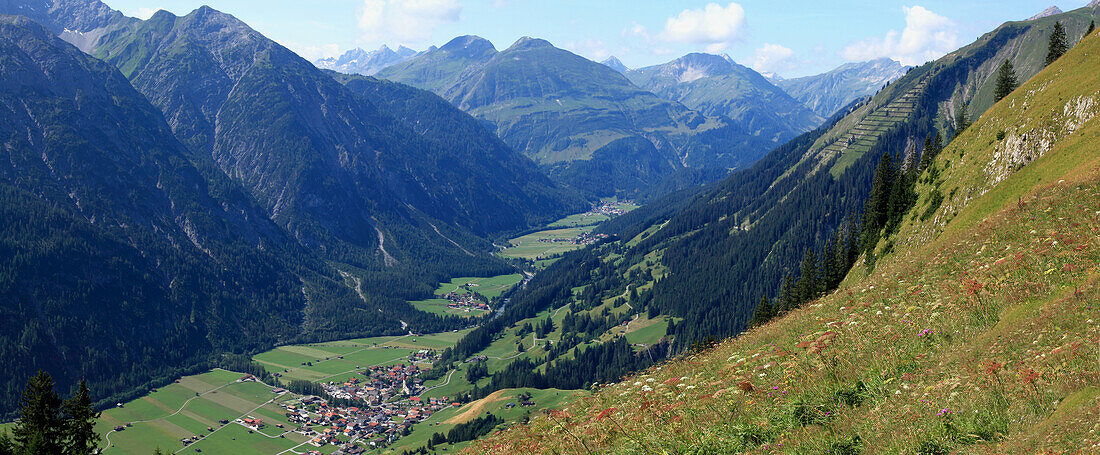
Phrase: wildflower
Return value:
(943, 412)
(606, 413)
(924, 332)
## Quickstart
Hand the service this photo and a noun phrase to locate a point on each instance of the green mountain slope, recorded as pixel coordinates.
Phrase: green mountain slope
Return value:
(976, 334)
(702, 260)
(830, 91)
(582, 120)
(716, 85)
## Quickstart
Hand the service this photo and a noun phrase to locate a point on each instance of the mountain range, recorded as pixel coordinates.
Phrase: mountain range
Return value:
(717, 86)
(828, 92)
(585, 123)
(359, 61)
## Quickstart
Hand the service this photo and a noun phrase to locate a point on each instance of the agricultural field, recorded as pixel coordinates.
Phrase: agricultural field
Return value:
(539, 246)
(490, 287)
(544, 244)
(339, 360)
(193, 406)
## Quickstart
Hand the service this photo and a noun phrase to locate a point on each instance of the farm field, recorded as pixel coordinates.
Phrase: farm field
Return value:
(541, 245)
(490, 287)
(189, 408)
(538, 246)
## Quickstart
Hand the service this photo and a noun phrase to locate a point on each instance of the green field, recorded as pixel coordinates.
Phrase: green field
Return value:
(491, 287)
(188, 408)
(537, 245)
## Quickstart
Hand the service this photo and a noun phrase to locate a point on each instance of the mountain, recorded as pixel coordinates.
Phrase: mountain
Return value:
(1050, 11)
(359, 61)
(718, 86)
(614, 63)
(828, 92)
(971, 336)
(126, 260)
(582, 121)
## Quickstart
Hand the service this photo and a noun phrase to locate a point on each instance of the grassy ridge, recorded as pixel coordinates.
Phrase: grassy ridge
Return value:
(977, 333)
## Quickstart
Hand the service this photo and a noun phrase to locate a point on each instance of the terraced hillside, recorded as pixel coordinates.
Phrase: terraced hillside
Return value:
(975, 332)
(861, 137)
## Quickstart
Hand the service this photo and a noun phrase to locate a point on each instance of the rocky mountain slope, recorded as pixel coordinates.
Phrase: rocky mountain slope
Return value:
(828, 92)
(259, 201)
(342, 175)
(716, 85)
(584, 122)
(972, 333)
(126, 260)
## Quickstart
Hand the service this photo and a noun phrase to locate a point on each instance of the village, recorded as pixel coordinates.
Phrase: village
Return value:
(584, 238)
(468, 300)
(370, 412)
(611, 208)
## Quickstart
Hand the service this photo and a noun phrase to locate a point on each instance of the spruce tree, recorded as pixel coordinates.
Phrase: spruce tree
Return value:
(1092, 26)
(876, 209)
(40, 429)
(80, 418)
(763, 312)
(1006, 81)
(962, 119)
(1057, 46)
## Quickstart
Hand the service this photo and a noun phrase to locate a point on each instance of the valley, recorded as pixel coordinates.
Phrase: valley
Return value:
(211, 411)
(216, 240)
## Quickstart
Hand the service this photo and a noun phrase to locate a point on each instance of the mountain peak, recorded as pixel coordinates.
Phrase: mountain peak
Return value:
(615, 64)
(695, 66)
(467, 42)
(1052, 10)
(528, 42)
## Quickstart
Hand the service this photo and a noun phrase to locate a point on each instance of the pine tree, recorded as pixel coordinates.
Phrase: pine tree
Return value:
(1057, 46)
(80, 418)
(876, 209)
(1092, 26)
(1006, 81)
(962, 119)
(763, 312)
(39, 430)
(809, 283)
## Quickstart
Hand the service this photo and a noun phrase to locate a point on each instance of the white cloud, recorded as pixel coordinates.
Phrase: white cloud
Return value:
(714, 26)
(927, 36)
(592, 49)
(772, 58)
(144, 13)
(409, 22)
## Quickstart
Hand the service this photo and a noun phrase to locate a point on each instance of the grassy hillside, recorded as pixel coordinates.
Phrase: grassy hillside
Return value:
(977, 333)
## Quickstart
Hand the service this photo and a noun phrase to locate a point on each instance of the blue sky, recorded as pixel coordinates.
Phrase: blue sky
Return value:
(790, 38)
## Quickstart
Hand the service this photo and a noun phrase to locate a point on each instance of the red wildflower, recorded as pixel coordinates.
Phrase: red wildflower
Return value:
(606, 413)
